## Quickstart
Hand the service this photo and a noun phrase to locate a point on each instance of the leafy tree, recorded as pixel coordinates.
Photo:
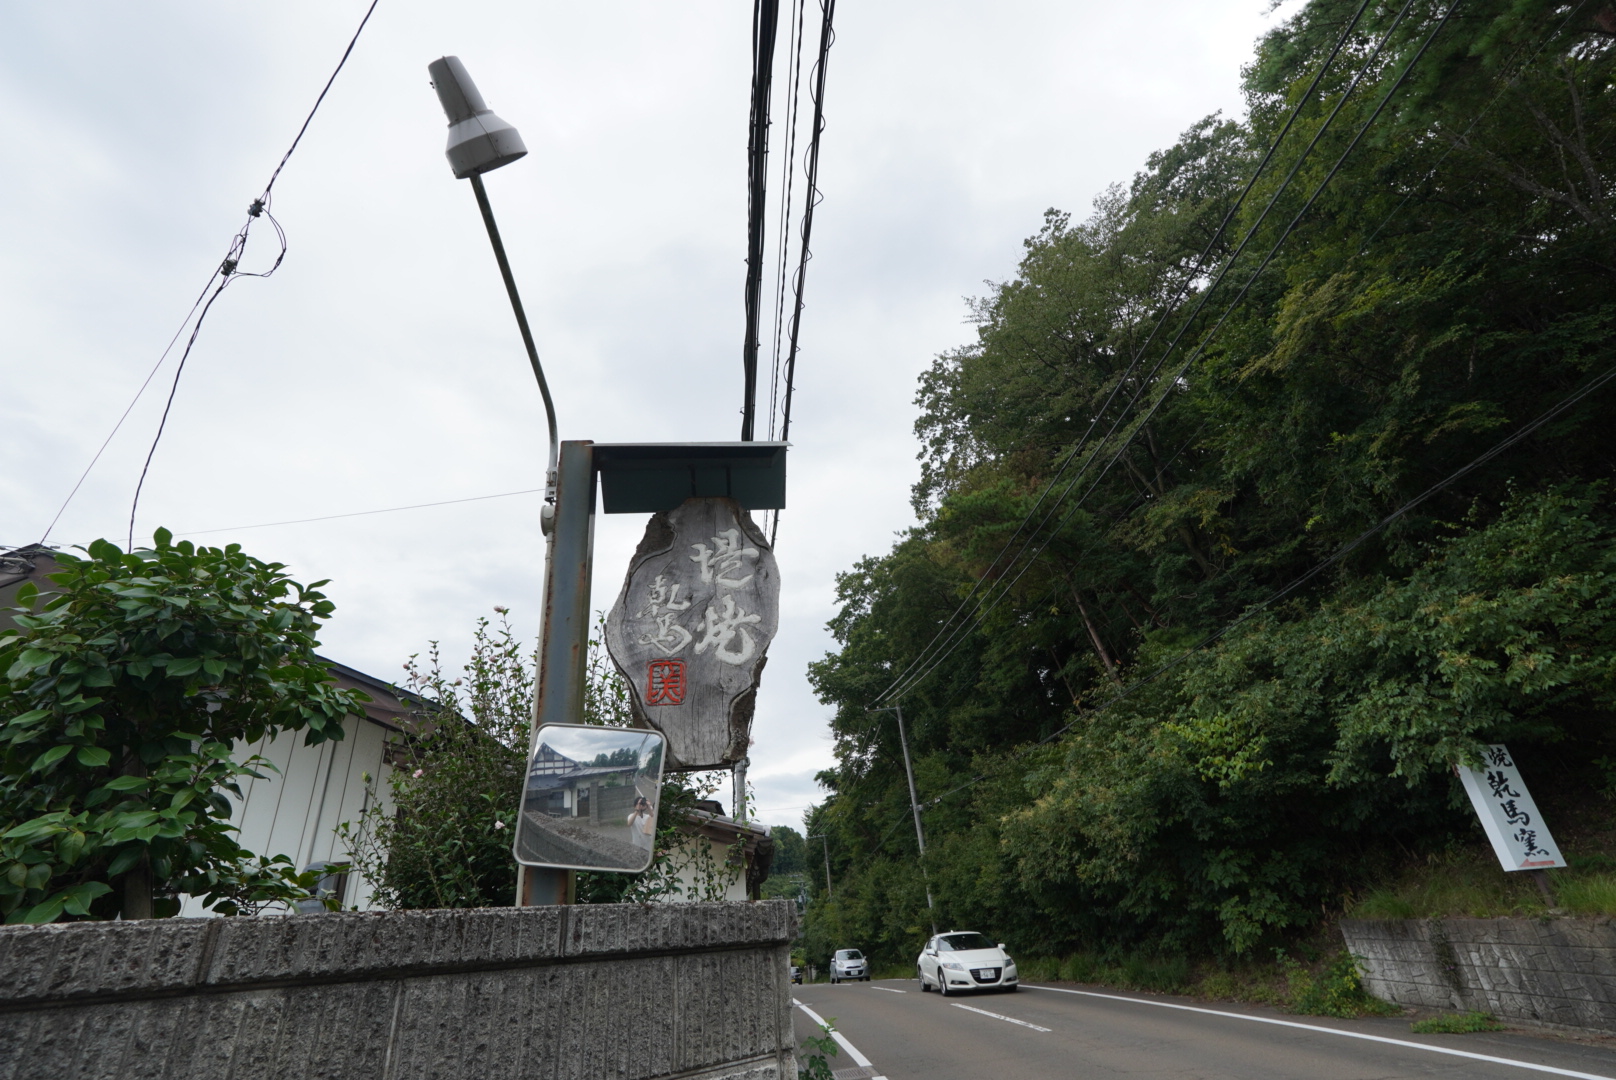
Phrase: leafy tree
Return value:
(790, 850)
(1090, 780)
(124, 694)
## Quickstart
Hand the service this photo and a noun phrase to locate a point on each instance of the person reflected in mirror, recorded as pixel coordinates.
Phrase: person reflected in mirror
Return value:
(642, 824)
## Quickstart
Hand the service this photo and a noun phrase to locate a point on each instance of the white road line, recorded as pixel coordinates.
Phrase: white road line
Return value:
(889, 989)
(1331, 1031)
(841, 1040)
(997, 1016)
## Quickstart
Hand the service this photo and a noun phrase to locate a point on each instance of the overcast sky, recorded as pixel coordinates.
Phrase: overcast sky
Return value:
(381, 367)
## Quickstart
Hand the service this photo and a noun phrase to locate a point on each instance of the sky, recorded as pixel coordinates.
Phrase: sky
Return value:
(380, 366)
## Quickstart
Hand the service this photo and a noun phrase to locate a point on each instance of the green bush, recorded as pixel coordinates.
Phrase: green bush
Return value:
(1334, 991)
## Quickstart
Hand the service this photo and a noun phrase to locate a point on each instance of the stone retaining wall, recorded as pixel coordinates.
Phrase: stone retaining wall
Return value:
(693, 991)
(1558, 972)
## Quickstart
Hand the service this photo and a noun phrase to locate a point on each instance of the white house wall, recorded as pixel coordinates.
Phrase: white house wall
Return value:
(295, 809)
(692, 878)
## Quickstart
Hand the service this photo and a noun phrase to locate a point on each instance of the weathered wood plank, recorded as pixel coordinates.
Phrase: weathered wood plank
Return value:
(691, 629)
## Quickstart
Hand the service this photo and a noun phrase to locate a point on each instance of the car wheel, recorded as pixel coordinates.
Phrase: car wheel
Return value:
(921, 977)
(942, 984)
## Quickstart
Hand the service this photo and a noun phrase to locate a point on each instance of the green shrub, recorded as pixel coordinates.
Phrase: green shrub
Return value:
(1163, 975)
(1039, 968)
(1222, 985)
(1083, 967)
(1334, 991)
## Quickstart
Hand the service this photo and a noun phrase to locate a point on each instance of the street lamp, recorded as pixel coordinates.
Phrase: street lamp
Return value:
(481, 142)
(633, 477)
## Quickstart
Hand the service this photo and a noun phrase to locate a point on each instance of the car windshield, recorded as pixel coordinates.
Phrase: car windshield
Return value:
(849, 954)
(962, 942)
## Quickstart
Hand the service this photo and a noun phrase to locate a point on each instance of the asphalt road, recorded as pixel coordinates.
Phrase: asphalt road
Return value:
(1067, 1031)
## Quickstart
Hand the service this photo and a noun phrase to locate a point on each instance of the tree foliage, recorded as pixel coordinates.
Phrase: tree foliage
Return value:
(124, 694)
(1130, 744)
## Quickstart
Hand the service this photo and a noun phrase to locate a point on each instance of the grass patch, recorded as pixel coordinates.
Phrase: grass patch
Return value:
(1471, 883)
(1456, 1024)
(1157, 974)
(1328, 987)
(1592, 894)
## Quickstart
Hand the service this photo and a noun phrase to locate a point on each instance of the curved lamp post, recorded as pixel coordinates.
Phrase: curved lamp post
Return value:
(480, 142)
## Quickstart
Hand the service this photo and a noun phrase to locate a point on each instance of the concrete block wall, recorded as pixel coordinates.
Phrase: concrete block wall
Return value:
(1555, 972)
(688, 991)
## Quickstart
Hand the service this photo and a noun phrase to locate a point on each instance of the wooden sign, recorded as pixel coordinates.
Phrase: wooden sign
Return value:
(692, 627)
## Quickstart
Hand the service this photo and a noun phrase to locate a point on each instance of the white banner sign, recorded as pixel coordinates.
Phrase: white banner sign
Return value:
(1520, 838)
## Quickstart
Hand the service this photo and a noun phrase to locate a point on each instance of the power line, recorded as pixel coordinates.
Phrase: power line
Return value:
(788, 176)
(128, 409)
(227, 272)
(827, 36)
(360, 513)
(895, 690)
(1138, 355)
(765, 26)
(1209, 336)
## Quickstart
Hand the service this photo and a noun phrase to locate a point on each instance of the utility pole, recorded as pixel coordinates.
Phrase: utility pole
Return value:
(914, 806)
(825, 840)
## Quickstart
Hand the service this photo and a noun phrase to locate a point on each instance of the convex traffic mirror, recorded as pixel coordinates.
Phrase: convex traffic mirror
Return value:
(590, 800)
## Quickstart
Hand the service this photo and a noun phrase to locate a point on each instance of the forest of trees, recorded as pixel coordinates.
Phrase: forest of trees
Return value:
(1239, 526)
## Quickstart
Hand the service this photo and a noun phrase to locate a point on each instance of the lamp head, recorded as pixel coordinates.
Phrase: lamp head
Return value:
(479, 141)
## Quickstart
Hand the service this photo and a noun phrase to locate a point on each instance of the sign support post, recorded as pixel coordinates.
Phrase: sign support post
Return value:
(634, 478)
(564, 634)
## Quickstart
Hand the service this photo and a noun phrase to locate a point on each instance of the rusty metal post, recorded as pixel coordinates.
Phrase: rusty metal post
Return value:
(564, 634)
(564, 655)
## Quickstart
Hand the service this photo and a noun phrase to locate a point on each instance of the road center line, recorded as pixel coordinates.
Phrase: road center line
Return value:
(1328, 1031)
(889, 989)
(996, 1016)
(841, 1040)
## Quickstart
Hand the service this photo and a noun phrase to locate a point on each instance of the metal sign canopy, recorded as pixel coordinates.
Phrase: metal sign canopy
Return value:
(645, 478)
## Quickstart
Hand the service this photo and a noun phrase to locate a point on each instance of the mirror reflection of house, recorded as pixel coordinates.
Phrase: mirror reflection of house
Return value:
(590, 799)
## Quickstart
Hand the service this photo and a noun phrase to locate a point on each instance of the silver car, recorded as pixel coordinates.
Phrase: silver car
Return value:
(849, 964)
(965, 960)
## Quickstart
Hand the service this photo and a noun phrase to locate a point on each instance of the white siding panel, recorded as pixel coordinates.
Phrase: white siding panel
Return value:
(296, 810)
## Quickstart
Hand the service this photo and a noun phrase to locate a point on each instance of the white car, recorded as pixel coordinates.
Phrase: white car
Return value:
(965, 960)
(849, 964)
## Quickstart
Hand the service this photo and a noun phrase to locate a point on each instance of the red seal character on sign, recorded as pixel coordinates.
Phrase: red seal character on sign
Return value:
(665, 683)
